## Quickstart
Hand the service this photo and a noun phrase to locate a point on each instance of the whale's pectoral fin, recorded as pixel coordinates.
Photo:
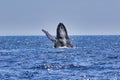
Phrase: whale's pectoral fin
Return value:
(49, 36)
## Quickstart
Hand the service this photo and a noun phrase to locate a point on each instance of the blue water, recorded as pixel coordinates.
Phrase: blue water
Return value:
(34, 58)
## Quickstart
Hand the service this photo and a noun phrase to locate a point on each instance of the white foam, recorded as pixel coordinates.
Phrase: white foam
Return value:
(63, 47)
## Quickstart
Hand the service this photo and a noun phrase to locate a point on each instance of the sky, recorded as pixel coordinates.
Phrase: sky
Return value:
(81, 17)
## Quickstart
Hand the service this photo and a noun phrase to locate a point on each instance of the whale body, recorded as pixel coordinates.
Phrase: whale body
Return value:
(62, 39)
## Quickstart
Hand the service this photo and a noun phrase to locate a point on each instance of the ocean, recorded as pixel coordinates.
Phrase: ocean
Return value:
(35, 58)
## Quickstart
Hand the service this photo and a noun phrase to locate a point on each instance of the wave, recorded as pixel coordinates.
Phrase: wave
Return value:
(59, 66)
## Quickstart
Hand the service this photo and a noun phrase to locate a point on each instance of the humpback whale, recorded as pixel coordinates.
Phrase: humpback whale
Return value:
(62, 39)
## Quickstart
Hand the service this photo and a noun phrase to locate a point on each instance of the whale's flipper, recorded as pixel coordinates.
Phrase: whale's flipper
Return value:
(49, 36)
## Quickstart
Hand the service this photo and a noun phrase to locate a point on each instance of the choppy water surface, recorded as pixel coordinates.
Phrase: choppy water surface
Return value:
(34, 58)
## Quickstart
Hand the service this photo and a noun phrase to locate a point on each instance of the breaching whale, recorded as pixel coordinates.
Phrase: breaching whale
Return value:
(62, 39)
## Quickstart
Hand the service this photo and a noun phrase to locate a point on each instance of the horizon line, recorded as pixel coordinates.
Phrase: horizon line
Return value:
(71, 35)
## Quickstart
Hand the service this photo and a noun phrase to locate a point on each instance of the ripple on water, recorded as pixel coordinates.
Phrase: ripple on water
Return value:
(34, 58)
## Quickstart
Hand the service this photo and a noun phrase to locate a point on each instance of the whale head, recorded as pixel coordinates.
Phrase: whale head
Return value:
(61, 31)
